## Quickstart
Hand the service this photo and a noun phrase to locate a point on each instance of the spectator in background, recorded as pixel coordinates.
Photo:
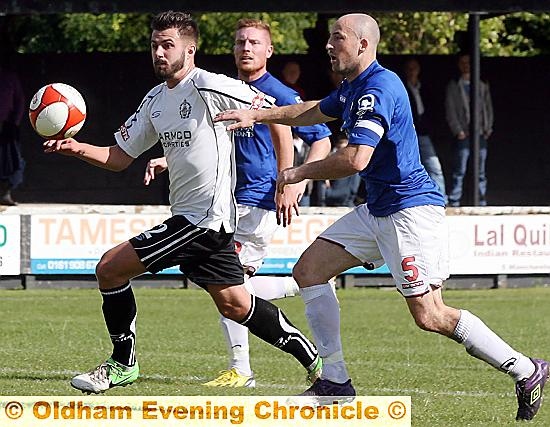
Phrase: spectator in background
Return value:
(12, 108)
(301, 153)
(457, 109)
(422, 124)
(318, 191)
(335, 80)
(290, 76)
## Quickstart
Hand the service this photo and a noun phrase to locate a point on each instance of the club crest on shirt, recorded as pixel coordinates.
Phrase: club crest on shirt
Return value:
(365, 104)
(258, 101)
(185, 109)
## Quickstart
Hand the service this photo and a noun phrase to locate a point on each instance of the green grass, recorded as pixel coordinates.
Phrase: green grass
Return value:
(49, 335)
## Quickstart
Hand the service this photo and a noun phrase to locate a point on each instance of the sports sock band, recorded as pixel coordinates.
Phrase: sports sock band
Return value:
(236, 338)
(120, 311)
(323, 316)
(482, 343)
(269, 323)
(273, 287)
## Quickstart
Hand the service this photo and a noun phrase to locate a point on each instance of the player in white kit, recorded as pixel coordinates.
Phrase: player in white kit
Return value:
(198, 237)
(260, 154)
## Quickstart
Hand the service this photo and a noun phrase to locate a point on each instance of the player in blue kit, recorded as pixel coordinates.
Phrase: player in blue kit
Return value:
(261, 152)
(401, 224)
(260, 155)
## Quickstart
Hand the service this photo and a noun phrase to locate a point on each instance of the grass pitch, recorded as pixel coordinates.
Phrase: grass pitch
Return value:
(50, 335)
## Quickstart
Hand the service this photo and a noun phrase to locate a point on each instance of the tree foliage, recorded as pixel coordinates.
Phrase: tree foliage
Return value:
(518, 34)
(530, 33)
(218, 29)
(117, 32)
(82, 32)
(419, 32)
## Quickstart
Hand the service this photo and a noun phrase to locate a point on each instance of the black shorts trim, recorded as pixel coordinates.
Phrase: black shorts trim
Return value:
(205, 256)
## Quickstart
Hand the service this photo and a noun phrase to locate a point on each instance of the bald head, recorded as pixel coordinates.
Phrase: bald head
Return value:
(363, 25)
(352, 44)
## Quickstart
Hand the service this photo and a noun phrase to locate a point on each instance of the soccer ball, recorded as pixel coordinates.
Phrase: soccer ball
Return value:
(57, 111)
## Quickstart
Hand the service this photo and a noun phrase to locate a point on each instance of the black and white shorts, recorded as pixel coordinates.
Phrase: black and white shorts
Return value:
(205, 256)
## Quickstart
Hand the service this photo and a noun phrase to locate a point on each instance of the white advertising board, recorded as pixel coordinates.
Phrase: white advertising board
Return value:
(10, 245)
(479, 244)
(289, 243)
(500, 244)
(74, 243)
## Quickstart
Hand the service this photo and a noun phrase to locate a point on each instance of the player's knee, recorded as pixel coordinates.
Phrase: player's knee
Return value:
(106, 272)
(299, 274)
(427, 322)
(233, 312)
(235, 308)
(303, 274)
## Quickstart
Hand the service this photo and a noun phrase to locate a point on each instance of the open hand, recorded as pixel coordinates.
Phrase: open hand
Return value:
(242, 118)
(287, 203)
(67, 147)
(153, 168)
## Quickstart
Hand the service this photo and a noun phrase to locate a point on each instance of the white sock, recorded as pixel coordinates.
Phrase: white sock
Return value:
(483, 343)
(323, 316)
(236, 338)
(273, 287)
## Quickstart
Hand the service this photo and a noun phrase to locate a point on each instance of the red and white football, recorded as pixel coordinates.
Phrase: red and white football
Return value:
(57, 111)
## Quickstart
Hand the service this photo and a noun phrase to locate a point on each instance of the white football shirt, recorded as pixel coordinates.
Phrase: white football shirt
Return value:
(199, 153)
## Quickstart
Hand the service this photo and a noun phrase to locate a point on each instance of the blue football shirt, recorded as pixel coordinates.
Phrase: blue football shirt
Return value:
(375, 110)
(254, 152)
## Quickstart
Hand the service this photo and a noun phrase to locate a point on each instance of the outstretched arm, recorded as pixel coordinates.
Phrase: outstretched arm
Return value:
(111, 158)
(303, 114)
(344, 162)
